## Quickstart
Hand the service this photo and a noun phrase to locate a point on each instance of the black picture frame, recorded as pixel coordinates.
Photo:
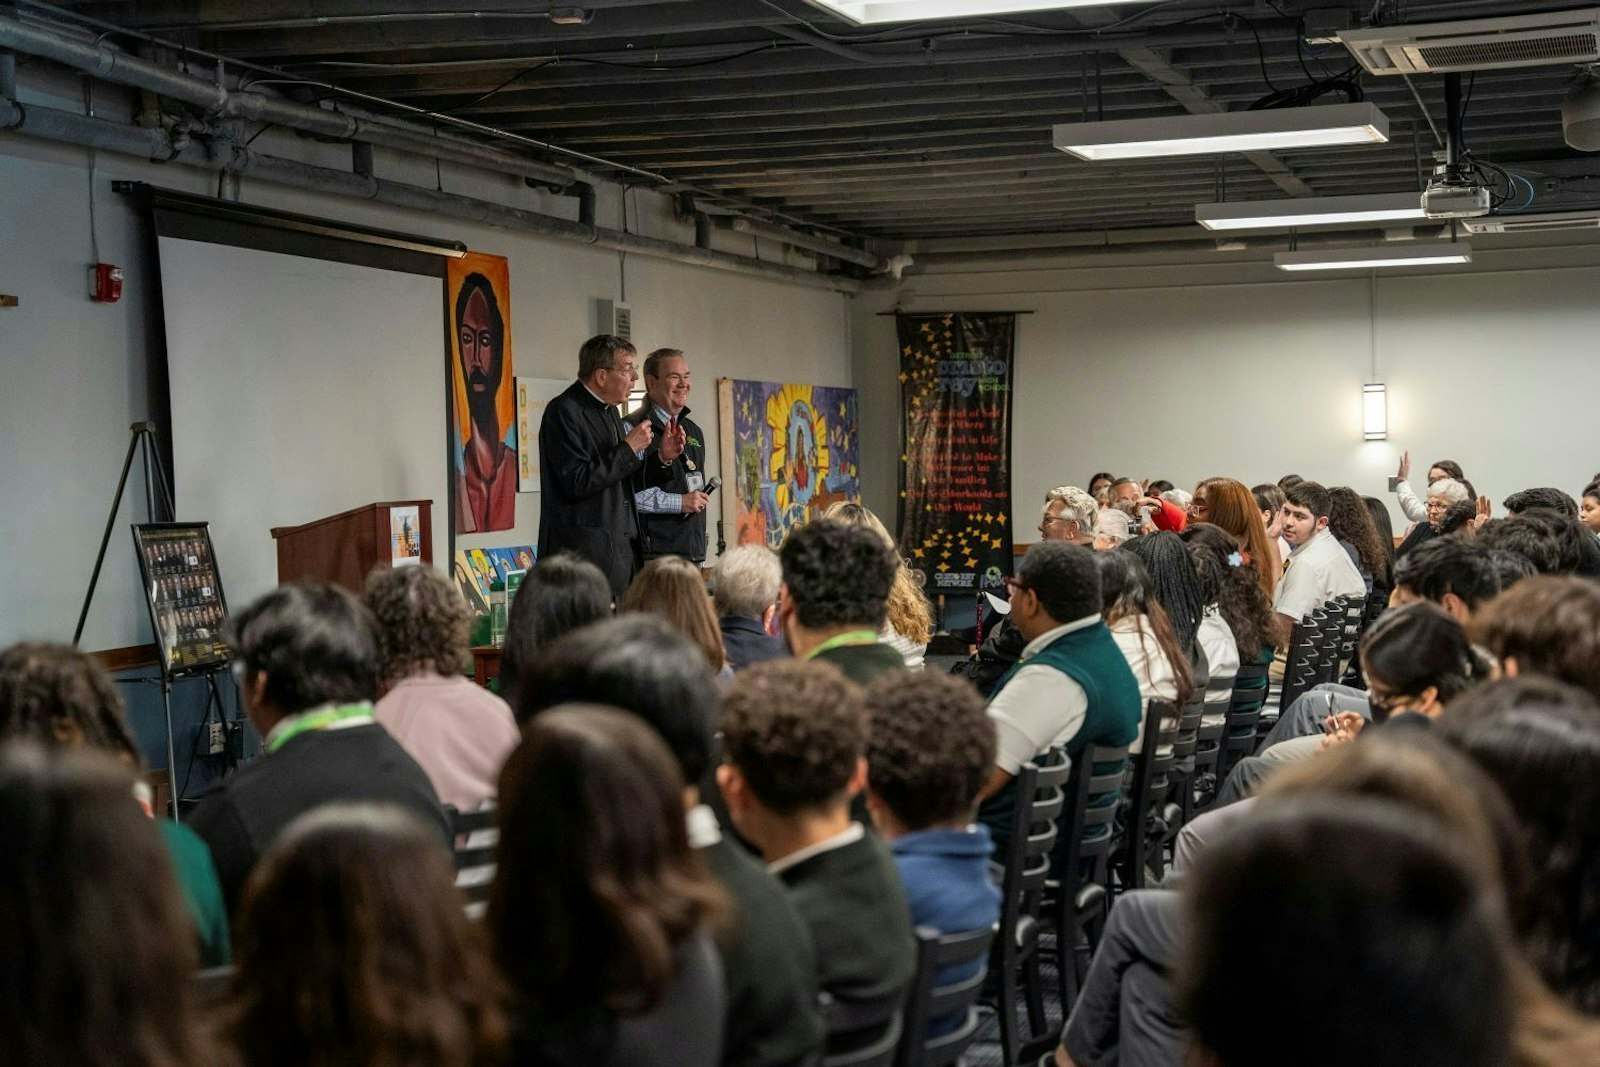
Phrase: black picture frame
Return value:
(183, 593)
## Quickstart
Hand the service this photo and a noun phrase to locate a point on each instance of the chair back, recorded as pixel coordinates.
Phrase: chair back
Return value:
(211, 986)
(1355, 624)
(1083, 858)
(861, 1033)
(1185, 748)
(1151, 781)
(1040, 799)
(476, 837)
(930, 1002)
(1305, 658)
(1244, 713)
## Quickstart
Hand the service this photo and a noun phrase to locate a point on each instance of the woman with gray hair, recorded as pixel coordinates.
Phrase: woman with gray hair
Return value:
(1442, 494)
(459, 732)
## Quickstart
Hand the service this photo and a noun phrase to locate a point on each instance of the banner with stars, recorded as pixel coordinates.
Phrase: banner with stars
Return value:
(955, 448)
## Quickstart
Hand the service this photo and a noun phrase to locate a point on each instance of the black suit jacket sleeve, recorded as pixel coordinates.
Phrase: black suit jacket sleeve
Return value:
(576, 454)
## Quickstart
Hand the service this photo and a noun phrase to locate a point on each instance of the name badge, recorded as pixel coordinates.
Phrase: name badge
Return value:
(697, 481)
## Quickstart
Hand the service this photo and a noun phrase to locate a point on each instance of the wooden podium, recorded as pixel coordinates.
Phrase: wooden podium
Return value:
(343, 548)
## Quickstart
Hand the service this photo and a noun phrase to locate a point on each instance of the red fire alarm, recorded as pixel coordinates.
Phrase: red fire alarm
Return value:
(105, 283)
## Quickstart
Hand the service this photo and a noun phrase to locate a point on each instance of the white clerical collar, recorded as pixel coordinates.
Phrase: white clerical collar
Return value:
(848, 836)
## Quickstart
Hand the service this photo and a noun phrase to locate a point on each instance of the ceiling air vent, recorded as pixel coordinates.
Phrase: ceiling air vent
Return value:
(1478, 44)
(1534, 223)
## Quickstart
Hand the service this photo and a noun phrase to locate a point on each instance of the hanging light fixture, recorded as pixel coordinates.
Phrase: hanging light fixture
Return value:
(1230, 131)
(1310, 211)
(1410, 254)
(869, 12)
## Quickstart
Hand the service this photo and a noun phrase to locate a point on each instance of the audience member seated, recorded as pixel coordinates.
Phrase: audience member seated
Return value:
(837, 580)
(1226, 503)
(1379, 513)
(1214, 636)
(1318, 570)
(908, 623)
(599, 917)
(1548, 626)
(1244, 606)
(1351, 524)
(1175, 586)
(1144, 507)
(1111, 528)
(561, 593)
(1101, 483)
(1589, 508)
(930, 752)
(1142, 632)
(1410, 506)
(58, 697)
(458, 731)
(1072, 687)
(1069, 514)
(1441, 495)
(1270, 501)
(1539, 739)
(1359, 902)
(1416, 659)
(795, 735)
(671, 587)
(98, 947)
(306, 660)
(746, 581)
(644, 666)
(357, 904)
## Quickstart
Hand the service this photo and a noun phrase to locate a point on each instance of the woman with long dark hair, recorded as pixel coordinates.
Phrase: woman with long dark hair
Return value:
(561, 593)
(598, 917)
(1351, 522)
(354, 951)
(97, 951)
(1142, 630)
(1246, 609)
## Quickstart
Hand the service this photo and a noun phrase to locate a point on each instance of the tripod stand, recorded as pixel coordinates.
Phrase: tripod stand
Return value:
(142, 440)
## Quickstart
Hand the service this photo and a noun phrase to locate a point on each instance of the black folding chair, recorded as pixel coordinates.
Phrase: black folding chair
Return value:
(1025, 866)
(929, 1002)
(1377, 603)
(1145, 835)
(861, 1033)
(1244, 714)
(1185, 751)
(476, 836)
(1081, 894)
(1304, 661)
(1208, 741)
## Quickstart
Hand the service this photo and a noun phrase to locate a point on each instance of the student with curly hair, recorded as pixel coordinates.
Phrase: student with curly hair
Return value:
(930, 753)
(61, 698)
(795, 735)
(458, 731)
(833, 603)
(358, 902)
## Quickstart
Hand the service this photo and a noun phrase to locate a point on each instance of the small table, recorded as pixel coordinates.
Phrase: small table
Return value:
(486, 663)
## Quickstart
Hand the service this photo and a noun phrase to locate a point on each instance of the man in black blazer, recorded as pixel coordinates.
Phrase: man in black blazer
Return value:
(587, 459)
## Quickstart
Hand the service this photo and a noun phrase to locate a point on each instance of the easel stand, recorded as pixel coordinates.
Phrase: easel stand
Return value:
(155, 476)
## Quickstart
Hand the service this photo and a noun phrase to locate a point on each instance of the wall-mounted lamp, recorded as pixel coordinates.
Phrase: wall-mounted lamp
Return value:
(1375, 411)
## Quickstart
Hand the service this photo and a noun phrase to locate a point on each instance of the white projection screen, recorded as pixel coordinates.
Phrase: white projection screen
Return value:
(300, 388)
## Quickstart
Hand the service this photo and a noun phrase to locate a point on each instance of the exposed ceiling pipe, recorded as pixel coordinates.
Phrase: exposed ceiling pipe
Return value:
(230, 158)
(805, 241)
(113, 65)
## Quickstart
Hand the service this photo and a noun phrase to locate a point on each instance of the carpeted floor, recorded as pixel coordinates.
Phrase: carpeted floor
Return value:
(986, 1051)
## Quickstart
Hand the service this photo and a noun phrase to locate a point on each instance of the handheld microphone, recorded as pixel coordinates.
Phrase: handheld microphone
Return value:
(713, 485)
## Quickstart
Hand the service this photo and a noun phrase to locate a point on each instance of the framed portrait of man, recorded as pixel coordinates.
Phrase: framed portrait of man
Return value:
(484, 408)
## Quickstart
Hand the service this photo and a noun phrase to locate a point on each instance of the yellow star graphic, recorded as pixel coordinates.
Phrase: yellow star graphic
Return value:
(906, 350)
(917, 552)
(945, 554)
(1001, 518)
(943, 567)
(972, 562)
(904, 377)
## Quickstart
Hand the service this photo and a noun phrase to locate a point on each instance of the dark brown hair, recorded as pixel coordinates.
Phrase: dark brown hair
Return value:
(1244, 605)
(795, 730)
(423, 621)
(932, 747)
(671, 587)
(596, 885)
(56, 695)
(98, 945)
(353, 950)
(1549, 625)
(1349, 520)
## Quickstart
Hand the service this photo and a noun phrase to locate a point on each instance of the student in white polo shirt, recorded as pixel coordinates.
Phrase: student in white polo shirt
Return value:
(1318, 569)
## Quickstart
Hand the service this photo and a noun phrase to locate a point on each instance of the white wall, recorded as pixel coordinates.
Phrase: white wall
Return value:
(1165, 369)
(74, 371)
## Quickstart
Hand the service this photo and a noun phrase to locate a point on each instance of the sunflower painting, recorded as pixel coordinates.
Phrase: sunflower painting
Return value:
(794, 449)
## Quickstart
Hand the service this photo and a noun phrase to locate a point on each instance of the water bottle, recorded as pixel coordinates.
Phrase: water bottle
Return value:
(497, 613)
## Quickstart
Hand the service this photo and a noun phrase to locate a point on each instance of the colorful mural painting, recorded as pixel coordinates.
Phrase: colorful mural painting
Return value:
(794, 450)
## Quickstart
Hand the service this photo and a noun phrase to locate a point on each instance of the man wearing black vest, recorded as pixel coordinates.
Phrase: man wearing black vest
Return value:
(670, 495)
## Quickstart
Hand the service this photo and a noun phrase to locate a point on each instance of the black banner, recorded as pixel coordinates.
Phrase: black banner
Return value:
(955, 444)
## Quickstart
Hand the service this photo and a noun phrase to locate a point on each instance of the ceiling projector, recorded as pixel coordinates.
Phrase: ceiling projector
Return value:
(1446, 198)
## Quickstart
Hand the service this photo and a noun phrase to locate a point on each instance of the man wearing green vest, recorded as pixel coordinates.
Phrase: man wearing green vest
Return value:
(1071, 687)
(835, 592)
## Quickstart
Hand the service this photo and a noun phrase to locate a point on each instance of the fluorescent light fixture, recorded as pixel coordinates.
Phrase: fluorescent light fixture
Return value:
(1309, 211)
(1375, 411)
(1231, 131)
(868, 12)
(1436, 254)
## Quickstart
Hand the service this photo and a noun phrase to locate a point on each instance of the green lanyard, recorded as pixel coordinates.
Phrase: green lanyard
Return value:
(849, 637)
(319, 720)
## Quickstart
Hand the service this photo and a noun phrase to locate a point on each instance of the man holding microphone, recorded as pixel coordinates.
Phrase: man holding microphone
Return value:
(670, 489)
